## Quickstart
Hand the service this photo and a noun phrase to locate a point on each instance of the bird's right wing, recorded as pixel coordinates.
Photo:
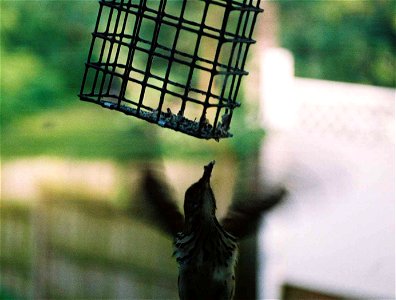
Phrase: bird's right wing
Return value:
(242, 217)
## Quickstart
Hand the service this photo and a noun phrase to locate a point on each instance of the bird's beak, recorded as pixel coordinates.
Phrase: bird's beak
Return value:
(208, 171)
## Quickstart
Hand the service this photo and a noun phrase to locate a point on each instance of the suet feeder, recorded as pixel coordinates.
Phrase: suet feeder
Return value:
(178, 64)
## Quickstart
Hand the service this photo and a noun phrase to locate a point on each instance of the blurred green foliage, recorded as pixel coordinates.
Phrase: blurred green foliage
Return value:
(44, 45)
(349, 40)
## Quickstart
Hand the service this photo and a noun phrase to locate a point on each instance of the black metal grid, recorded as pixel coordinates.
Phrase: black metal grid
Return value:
(178, 64)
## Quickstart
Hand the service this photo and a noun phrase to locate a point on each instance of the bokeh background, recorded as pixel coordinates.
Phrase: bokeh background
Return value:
(317, 116)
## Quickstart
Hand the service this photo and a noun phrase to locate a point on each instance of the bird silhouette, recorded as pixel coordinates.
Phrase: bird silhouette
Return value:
(205, 248)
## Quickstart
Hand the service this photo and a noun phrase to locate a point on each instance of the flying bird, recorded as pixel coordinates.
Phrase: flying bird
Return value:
(205, 248)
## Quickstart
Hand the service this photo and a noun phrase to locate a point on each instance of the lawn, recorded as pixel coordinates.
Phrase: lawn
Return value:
(87, 131)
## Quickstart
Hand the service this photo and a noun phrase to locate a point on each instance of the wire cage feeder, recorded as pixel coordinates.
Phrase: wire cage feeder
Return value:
(178, 64)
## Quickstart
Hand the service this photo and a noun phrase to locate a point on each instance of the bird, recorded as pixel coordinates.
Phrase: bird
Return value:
(205, 248)
(206, 253)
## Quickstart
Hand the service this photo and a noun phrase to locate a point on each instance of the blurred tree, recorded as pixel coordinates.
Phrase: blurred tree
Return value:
(352, 41)
(43, 47)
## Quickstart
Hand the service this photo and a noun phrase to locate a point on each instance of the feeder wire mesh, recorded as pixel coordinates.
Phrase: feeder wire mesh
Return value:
(151, 59)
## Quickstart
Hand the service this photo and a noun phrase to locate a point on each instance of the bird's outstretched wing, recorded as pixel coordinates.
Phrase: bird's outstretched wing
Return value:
(157, 195)
(242, 217)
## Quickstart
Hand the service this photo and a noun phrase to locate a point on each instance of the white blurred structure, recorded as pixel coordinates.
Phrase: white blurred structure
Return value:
(277, 83)
(332, 143)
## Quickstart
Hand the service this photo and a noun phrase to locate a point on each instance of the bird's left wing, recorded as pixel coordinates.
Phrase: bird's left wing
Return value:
(158, 197)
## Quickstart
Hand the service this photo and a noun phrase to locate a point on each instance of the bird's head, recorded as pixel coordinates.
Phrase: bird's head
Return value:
(199, 200)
